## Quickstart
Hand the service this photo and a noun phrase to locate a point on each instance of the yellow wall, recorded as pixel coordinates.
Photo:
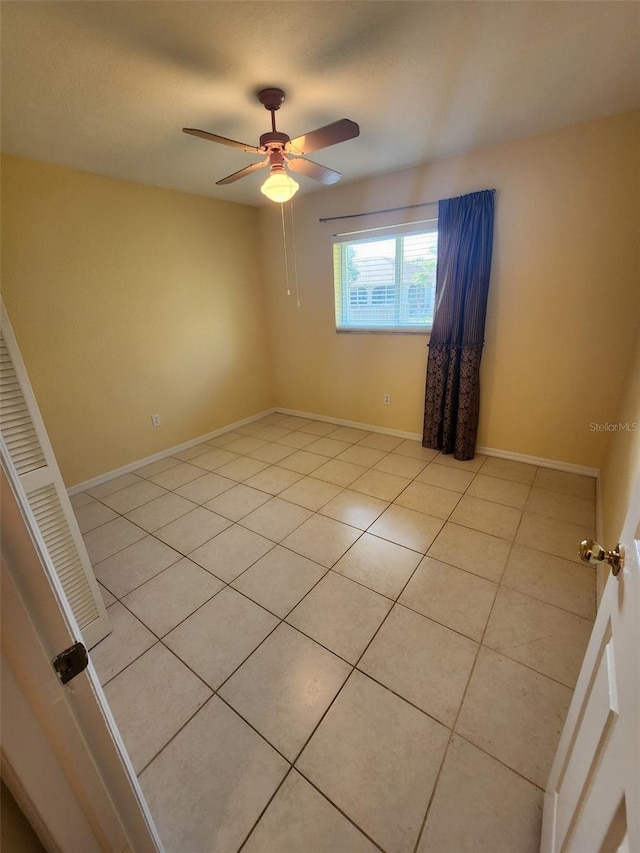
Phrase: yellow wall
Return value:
(128, 300)
(622, 462)
(565, 272)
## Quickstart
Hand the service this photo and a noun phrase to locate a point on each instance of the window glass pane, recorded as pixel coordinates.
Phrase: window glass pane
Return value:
(419, 278)
(386, 282)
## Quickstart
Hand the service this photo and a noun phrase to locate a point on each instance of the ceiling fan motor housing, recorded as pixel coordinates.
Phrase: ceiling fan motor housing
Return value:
(274, 139)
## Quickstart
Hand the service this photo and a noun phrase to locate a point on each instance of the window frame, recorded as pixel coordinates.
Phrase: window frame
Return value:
(343, 289)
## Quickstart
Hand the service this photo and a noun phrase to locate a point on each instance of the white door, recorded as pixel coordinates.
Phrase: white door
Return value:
(592, 802)
(26, 451)
(62, 756)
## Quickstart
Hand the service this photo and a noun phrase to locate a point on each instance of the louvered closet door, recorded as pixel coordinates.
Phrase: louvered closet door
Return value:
(27, 452)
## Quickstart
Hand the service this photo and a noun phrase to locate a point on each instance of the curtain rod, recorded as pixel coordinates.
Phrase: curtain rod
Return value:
(372, 212)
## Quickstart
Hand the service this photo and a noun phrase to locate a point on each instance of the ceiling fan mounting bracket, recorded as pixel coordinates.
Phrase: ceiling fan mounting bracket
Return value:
(271, 99)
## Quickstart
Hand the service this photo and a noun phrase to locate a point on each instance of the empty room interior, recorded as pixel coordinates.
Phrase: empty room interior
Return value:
(330, 537)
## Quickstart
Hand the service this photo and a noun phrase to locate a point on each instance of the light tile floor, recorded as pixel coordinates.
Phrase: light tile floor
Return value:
(331, 640)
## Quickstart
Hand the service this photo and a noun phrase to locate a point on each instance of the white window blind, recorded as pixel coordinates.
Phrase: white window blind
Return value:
(385, 278)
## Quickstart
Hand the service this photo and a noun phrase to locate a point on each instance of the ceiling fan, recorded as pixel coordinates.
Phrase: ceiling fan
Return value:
(280, 152)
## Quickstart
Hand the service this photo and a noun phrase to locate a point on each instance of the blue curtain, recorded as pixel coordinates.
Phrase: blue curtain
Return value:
(452, 399)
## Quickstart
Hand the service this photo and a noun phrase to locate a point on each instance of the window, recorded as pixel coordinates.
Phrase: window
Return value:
(385, 278)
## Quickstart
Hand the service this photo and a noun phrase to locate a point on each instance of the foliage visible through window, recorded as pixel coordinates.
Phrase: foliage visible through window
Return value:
(386, 281)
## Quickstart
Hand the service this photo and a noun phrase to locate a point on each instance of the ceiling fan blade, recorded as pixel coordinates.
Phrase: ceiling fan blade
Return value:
(246, 171)
(313, 170)
(330, 134)
(212, 137)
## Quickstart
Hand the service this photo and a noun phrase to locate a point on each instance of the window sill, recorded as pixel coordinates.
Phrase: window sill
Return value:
(378, 331)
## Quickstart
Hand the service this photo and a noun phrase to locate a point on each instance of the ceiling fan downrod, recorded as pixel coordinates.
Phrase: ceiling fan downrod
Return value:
(272, 100)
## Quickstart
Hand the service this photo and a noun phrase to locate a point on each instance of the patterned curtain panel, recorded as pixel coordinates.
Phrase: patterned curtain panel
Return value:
(452, 400)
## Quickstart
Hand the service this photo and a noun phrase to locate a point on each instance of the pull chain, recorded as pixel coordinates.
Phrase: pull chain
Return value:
(284, 243)
(295, 255)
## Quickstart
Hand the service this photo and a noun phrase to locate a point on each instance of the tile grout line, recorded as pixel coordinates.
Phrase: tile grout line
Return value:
(293, 769)
(500, 761)
(176, 733)
(264, 809)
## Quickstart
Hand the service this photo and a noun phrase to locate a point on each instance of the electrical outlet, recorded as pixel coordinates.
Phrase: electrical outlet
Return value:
(155, 420)
(387, 399)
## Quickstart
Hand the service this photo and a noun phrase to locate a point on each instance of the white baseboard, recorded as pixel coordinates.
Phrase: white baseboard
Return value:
(599, 522)
(556, 464)
(127, 469)
(355, 424)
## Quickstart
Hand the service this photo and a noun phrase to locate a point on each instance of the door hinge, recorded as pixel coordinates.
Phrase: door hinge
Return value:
(71, 662)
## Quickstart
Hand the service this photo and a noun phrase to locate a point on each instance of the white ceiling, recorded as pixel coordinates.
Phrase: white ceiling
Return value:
(107, 86)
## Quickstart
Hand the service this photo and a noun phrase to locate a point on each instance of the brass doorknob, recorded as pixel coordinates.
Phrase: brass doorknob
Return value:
(593, 553)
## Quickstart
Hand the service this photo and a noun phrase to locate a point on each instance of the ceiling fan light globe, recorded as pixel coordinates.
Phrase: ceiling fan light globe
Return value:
(279, 187)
